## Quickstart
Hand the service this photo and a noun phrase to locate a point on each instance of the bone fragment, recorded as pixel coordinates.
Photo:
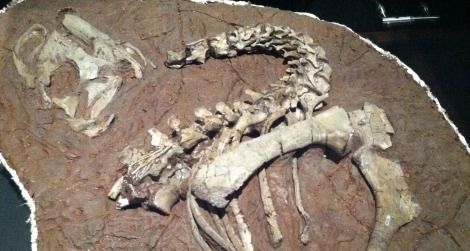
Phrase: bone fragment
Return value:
(175, 124)
(175, 60)
(227, 112)
(394, 204)
(201, 222)
(197, 51)
(247, 119)
(194, 227)
(130, 155)
(253, 95)
(269, 210)
(59, 49)
(241, 107)
(167, 196)
(35, 31)
(49, 55)
(68, 104)
(243, 230)
(159, 139)
(234, 134)
(153, 163)
(304, 230)
(104, 47)
(116, 188)
(191, 136)
(129, 195)
(91, 127)
(210, 121)
(214, 181)
(312, 102)
(122, 202)
(160, 163)
(102, 94)
(232, 235)
(221, 228)
(372, 125)
(266, 197)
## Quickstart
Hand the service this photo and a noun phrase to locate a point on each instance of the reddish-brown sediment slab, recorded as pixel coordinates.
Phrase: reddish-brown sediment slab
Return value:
(69, 174)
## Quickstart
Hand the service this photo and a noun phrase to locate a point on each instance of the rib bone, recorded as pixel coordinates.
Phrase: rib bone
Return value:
(304, 232)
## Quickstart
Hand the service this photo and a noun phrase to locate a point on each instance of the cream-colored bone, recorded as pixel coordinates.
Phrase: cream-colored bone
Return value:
(50, 55)
(215, 181)
(101, 94)
(154, 162)
(308, 68)
(68, 104)
(190, 136)
(305, 228)
(159, 139)
(243, 229)
(55, 49)
(231, 234)
(219, 173)
(130, 155)
(202, 223)
(59, 49)
(266, 197)
(372, 125)
(227, 112)
(104, 47)
(253, 95)
(35, 31)
(169, 194)
(394, 204)
(210, 121)
(175, 124)
(269, 210)
(194, 226)
(91, 127)
(116, 188)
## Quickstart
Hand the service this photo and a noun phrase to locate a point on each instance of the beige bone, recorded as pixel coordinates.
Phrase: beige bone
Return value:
(215, 181)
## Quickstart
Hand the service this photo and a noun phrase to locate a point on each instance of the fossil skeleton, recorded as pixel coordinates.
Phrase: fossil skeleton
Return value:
(287, 120)
(98, 72)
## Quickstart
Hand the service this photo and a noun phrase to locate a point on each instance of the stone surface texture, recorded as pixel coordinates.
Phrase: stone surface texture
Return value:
(69, 174)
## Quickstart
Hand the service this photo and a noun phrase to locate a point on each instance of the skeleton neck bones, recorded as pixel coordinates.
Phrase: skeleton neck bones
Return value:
(226, 164)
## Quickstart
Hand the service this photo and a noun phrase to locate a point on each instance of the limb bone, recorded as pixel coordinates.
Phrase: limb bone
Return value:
(394, 206)
(215, 181)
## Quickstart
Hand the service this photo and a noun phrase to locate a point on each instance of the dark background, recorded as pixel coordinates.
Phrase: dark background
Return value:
(438, 51)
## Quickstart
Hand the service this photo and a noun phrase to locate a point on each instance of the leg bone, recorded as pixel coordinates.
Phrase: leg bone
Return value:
(394, 206)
